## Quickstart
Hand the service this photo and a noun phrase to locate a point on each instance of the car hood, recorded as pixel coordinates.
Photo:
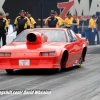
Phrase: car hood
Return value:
(48, 46)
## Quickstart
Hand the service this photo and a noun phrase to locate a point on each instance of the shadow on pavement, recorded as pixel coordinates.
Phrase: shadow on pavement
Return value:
(46, 72)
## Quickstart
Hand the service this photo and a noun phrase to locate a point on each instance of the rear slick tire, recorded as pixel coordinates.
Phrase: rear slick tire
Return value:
(58, 69)
(80, 62)
(9, 71)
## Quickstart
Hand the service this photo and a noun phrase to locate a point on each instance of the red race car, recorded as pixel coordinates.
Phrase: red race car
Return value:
(44, 48)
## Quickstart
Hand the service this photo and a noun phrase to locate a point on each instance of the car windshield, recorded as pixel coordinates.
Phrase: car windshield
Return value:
(53, 35)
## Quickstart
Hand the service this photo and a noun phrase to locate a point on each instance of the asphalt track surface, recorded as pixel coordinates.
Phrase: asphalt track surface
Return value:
(71, 84)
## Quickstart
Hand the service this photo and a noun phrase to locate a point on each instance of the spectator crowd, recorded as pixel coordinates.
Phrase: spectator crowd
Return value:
(25, 21)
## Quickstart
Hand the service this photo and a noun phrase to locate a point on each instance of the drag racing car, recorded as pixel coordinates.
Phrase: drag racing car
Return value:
(43, 48)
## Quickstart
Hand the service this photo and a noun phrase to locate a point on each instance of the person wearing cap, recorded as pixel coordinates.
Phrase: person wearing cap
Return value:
(31, 19)
(92, 29)
(21, 22)
(56, 15)
(3, 28)
(68, 20)
(53, 21)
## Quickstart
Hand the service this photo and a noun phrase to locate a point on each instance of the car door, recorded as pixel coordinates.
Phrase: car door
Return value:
(73, 48)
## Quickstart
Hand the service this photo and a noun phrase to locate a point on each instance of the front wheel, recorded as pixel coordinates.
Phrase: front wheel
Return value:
(9, 71)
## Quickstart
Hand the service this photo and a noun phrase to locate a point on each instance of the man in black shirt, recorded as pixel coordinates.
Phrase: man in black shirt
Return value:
(21, 22)
(3, 28)
(53, 21)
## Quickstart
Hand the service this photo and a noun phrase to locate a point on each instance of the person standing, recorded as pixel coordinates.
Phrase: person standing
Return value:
(3, 28)
(21, 22)
(98, 29)
(32, 21)
(92, 30)
(75, 23)
(96, 32)
(68, 20)
(53, 21)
